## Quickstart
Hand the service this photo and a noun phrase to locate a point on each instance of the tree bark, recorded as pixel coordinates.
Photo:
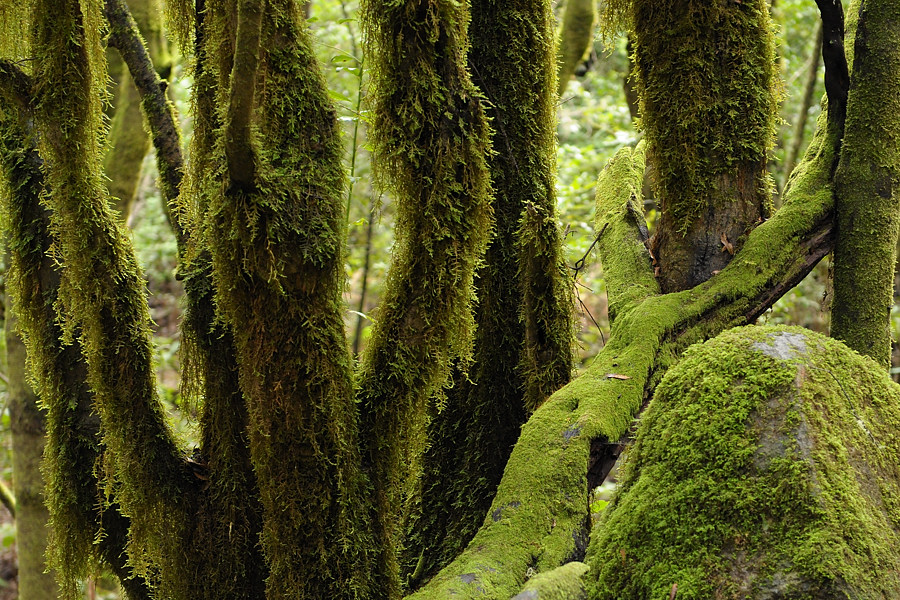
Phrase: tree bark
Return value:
(706, 78)
(28, 431)
(867, 187)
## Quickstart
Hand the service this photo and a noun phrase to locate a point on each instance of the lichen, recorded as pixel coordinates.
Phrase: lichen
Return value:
(758, 473)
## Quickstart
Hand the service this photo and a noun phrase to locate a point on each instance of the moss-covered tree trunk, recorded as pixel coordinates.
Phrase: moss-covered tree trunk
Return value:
(575, 37)
(28, 431)
(523, 341)
(867, 187)
(706, 79)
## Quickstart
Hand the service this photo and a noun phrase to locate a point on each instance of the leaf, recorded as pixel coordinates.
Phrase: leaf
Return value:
(342, 21)
(335, 95)
(616, 376)
(342, 58)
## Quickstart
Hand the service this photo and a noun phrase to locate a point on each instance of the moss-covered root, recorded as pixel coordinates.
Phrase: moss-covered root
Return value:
(431, 142)
(562, 583)
(765, 467)
(706, 78)
(101, 295)
(867, 187)
(575, 36)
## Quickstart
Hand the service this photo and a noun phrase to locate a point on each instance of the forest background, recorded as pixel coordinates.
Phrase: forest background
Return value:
(595, 119)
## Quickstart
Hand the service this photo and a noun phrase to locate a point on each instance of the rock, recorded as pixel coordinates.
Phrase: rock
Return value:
(766, 467)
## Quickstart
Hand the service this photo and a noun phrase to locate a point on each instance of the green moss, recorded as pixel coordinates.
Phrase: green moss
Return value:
(101, 294)
(575, 38)
(705, 74)
(431, 142)
(562, 583)
(522, 345)
(276, 249)
(867, 189)
(765, 462)
(541, 504)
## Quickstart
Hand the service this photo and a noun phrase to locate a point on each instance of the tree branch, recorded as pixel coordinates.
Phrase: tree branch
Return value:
(837, 76)
(539, 518)
(238, 137)
(125, 37)
(626, 261)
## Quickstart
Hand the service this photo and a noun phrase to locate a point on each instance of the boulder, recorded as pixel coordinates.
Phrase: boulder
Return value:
(767, 466)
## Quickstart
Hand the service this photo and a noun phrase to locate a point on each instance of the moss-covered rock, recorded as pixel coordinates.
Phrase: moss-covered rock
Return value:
(765, 467)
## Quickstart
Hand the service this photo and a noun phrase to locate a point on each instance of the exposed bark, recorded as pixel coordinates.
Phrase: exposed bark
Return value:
(705, 73)
(238, 134)
(867, 186)
(128, 140)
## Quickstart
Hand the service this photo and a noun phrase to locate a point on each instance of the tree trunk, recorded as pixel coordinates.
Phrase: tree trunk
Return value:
(706, 78)
(522, 350)
(28, 431)
(867, 187)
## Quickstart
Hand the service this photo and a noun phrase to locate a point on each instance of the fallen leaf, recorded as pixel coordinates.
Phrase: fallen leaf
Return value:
(616, 376)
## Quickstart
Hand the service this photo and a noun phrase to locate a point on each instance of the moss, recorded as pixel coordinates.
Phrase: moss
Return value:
(764, 467)
(575, 38)
(276, 249)
(101, 294)
(562, 583)
(708, 93)
(430, 138)
(522, 344)
(539, 515)
(867, 188)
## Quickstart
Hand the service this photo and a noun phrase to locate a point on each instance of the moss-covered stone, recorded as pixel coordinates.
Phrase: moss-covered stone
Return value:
(765, 467)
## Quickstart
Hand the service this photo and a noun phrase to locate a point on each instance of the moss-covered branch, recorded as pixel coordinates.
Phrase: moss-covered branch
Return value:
(238, 134)
(575, 36)
(159, 112)
(101, 298)
(79, 512)
(867, 185)
(522, 345)
(276, 245)
(431, 143)
(622, 232)
(539, 517)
